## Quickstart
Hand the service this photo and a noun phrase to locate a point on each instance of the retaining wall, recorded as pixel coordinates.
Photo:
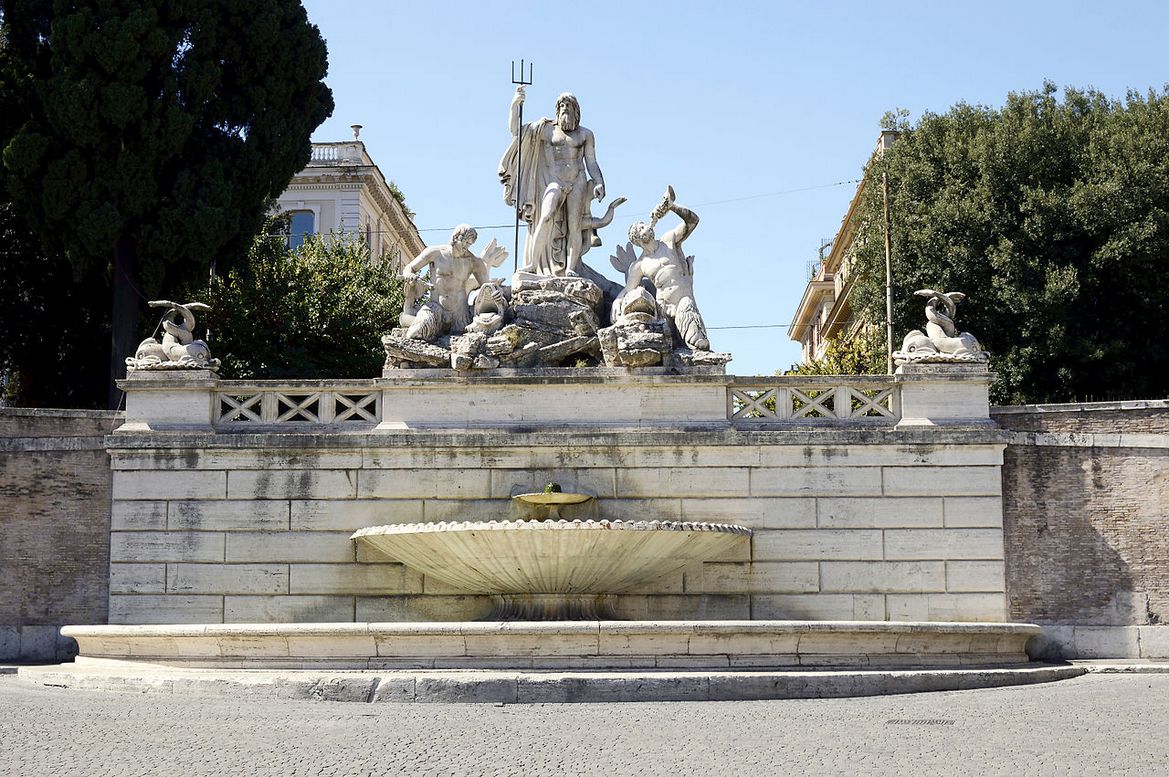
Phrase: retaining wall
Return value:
(267, 516)
(235, 503)
(1086, 521)
(55, 492)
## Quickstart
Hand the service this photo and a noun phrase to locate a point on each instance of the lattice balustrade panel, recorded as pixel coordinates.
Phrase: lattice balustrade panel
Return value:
(291, 408)
(278, 408)
(871, 403)
(752, 403)
(813, 402)
(239, 408)
(357, 407)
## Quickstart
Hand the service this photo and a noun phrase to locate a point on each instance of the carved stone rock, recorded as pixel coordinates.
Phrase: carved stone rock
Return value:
(634, 343)
(551, 322)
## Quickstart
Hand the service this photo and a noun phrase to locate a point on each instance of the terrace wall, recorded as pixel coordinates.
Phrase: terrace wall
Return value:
(55, 496)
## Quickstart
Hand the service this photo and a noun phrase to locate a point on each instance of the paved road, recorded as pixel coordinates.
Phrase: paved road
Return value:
(1092, 725)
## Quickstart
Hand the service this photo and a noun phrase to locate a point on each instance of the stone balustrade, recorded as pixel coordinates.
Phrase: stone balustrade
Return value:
(921, 395)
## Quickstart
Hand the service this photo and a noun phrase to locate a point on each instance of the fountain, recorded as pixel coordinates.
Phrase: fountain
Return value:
(874, 504)
(551, 568)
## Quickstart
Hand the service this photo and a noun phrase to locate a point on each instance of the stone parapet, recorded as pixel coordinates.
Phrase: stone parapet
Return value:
(853, 516)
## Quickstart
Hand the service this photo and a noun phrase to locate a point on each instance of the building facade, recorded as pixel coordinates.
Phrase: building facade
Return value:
(825, 310)
(343, 192)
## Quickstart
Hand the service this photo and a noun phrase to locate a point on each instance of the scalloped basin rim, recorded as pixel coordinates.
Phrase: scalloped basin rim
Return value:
(551, 525)
(551, 556)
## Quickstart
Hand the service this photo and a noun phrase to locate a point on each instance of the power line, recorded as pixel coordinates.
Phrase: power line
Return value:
(699, 205)
(753, 326)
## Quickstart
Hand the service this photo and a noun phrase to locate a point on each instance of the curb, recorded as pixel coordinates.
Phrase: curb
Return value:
(1123, 667)
(505, 687)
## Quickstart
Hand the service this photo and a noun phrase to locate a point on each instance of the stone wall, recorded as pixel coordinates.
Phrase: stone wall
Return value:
(852, 520)
(55, 485)
(1086, 503)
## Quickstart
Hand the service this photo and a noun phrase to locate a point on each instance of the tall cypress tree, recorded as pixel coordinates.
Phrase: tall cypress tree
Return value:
(150, 135)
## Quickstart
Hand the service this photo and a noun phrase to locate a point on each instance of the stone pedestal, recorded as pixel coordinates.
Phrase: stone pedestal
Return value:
(944, 395)
(171, 399)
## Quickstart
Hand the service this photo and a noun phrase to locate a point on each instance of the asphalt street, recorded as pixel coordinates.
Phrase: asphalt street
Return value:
(1092, 725)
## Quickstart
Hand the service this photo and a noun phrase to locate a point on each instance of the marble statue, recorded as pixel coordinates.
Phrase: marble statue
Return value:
(558, 180)
(667, 267)
(941, 342)
(456, 273)
(178, 350)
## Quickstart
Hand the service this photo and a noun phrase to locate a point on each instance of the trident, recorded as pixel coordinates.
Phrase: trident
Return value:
(519, 200)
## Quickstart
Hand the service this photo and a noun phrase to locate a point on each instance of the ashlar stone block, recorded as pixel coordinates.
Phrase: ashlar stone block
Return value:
(178, 484)
(942, 481)
(816, 544)
(288, 609)
(355, 579)
(140, 546)
(975, 576)
(944, 544)
(947, 607)
(138, 515)
(754, 513)
(882, 576)
(227, 578)
(760, 577)
(822, 606)
(231, 515)
(153, 609)
(423, 484)
(137, 578)
(816, 481)
(294, 484)
(320, 547)
(349, 515)
(683, 482)
(878, 512)
(973, 512)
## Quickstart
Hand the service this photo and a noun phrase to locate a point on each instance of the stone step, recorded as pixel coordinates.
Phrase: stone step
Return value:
(503, 687)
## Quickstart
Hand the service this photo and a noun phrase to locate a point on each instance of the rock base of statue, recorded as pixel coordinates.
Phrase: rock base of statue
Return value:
(552, 322)
(637, 340)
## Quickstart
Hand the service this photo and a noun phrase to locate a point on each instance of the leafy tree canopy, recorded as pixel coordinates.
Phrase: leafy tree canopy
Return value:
(1053, 216)
(146, 138)
(317, 311)
(860, 354)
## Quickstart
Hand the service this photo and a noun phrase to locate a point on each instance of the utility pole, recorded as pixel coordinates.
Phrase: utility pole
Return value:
(888, 279)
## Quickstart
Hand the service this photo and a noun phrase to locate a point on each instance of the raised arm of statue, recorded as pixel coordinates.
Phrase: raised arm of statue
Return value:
(513, 120)
(679, 233)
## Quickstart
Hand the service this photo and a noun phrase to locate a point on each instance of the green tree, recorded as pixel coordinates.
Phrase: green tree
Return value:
(149, 136)
(53, 348)
(317, 311)
(860, 354)
(1053, 216)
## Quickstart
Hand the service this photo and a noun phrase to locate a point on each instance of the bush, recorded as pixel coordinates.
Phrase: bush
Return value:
(317, 311)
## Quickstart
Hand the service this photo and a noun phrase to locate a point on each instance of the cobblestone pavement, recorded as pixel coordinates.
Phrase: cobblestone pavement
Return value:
(1091, 725)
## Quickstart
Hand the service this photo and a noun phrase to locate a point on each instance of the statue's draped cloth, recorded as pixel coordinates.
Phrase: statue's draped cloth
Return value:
(531, 182)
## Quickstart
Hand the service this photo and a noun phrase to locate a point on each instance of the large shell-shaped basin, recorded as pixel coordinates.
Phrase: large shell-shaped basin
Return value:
(551, 557)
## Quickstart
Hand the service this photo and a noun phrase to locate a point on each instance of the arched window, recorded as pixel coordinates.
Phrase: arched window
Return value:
(300, 225)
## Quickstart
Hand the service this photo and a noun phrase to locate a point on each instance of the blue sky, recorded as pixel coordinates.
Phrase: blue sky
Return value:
(754, 111)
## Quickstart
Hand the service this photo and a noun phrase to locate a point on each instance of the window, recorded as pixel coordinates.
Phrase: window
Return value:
(300, 226)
